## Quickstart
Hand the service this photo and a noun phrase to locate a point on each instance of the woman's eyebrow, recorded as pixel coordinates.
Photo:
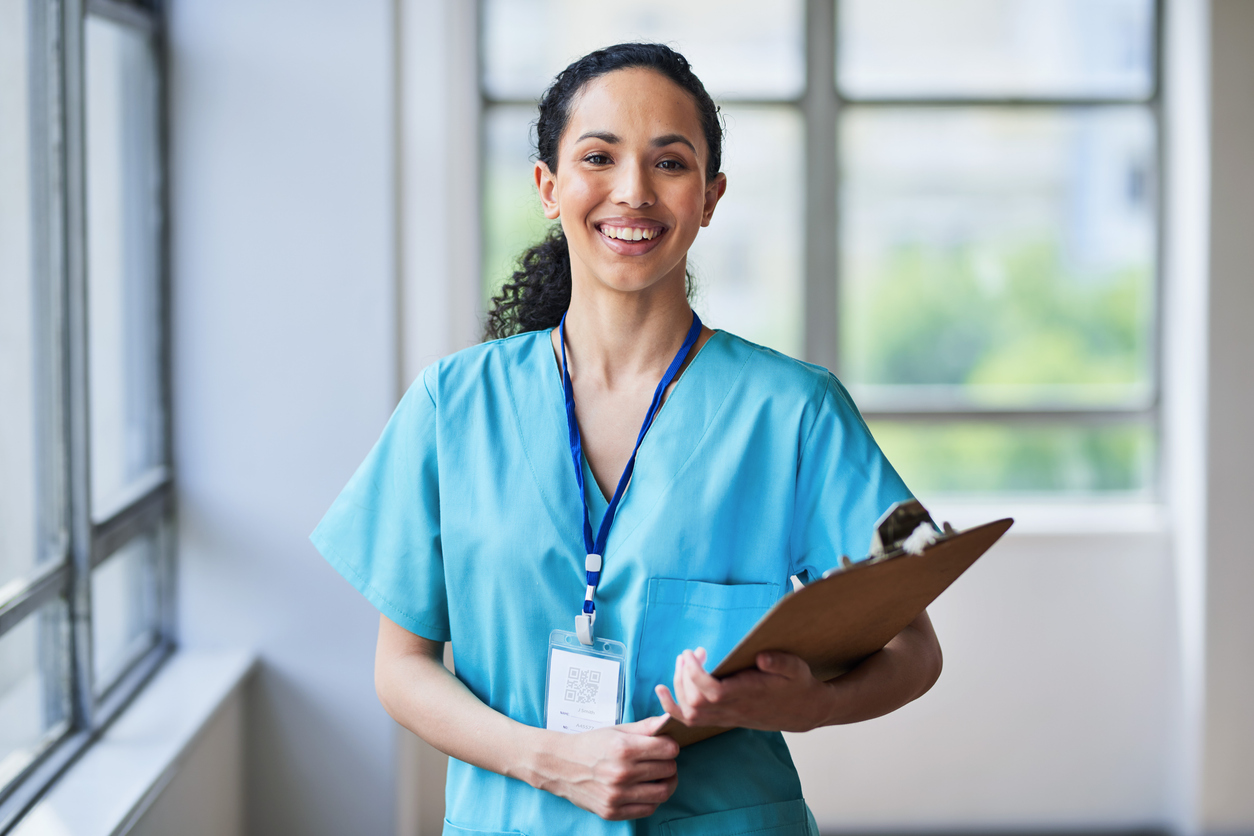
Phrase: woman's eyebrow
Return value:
(671, 139)
(659, 142)
(604, 136)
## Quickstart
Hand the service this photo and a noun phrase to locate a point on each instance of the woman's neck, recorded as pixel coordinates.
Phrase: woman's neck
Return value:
(616, 337)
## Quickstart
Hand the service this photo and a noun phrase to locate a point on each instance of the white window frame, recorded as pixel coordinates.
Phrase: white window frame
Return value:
(57, 132)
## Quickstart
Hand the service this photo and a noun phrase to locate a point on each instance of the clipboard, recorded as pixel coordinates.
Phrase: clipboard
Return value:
(836, 622)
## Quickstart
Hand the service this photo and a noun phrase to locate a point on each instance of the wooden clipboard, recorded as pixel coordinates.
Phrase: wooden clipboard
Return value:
(836, 622)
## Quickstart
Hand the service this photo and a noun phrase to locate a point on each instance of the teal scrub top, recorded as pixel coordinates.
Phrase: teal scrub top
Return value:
(464, 524)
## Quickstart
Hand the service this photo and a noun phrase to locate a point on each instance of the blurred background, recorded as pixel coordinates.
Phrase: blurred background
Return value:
(232, 233)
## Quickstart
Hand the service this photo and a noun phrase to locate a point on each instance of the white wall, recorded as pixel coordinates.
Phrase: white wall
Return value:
(284, 374)
(1054, 709)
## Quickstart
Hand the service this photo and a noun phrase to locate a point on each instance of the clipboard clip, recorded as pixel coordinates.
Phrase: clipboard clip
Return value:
(905, 527)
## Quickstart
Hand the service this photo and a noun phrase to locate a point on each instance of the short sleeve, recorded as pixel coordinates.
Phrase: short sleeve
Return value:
(382, 533)
(844, 485)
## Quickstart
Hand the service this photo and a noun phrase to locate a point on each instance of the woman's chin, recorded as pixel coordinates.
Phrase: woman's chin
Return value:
(639, 281)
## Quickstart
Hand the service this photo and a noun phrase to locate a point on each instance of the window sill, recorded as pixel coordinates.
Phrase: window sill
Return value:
(122, 773)
(1058, 519)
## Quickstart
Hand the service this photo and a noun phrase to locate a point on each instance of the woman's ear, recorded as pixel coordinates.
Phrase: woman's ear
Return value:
(713, 194)
(546, 185)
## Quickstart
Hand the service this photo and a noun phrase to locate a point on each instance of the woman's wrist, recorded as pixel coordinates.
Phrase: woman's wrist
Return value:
(535, 761)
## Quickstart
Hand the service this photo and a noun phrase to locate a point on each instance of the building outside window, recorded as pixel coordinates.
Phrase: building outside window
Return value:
(954, 206)
(85, 479)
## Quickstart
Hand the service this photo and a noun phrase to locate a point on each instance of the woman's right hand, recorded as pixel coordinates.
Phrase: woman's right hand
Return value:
(618, 772)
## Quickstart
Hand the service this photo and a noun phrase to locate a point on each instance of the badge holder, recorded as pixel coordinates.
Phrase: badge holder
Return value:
(586, 684)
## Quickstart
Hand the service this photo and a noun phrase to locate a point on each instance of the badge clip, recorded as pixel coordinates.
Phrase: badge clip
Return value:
(583, 627)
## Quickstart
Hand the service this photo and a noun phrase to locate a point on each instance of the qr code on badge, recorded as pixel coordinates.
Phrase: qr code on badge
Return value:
(582, 685)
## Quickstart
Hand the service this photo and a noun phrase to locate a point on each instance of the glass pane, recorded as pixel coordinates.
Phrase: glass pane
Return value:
(747, 263)
(737, 47)
(997, 257)
(977, 457)
(995, 48)
(124, 608)
(17, 304)
(30, 495)
(34, 687)
(512, 220)
(123, 233)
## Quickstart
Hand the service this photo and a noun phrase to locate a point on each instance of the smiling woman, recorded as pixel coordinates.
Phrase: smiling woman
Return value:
(606, 448)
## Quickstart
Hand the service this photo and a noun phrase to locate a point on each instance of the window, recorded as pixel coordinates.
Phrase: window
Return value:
(951, 205)
(85, 491)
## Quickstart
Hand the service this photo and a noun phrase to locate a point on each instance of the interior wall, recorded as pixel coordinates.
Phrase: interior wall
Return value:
(1227, 801)
(284, 374)
(1053, 711)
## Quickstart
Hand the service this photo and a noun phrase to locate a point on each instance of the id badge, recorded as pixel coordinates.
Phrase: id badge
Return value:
(585, 684)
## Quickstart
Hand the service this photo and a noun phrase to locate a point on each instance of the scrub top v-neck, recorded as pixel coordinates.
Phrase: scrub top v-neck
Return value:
(462, 525)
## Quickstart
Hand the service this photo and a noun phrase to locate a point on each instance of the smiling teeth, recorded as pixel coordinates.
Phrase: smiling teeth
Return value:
(630, 233)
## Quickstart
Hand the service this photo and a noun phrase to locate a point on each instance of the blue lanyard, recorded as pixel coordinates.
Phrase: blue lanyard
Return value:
(595, 547)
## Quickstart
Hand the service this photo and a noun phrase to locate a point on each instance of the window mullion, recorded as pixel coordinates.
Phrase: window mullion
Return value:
(75, 347)
(822, 337)
(143, 515)
(1158, 115)
(22, 598)
(47, 262)
(120, 12)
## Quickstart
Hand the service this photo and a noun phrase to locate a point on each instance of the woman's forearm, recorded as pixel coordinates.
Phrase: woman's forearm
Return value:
(618, 772)
(900, 673)
(426, 698)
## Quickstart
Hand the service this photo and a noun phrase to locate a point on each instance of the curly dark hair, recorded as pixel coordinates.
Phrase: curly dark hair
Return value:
(538, 293)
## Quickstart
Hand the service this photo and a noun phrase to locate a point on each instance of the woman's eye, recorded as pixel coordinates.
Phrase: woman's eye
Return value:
(671, 165)
(597, 159)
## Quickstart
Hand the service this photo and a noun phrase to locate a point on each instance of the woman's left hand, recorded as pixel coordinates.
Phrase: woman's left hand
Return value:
(781, 694)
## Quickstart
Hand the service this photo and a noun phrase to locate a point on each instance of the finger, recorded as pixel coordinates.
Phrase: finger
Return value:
(668, 704)
(641, 747)
(648, 726)
(701, 682)
(662, 790)
(681, 696)
(701, 655)
(648, 772)
(782, 664)
(632, 811)
(645, 792)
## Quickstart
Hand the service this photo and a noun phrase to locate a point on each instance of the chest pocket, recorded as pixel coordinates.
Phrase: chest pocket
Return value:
(684, 615)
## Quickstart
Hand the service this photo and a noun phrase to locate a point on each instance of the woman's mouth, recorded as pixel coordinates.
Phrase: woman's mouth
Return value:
(630, 239)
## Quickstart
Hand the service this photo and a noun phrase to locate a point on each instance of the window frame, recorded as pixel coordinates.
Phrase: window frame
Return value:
(59, 267)
(922, 410)
(822, 105)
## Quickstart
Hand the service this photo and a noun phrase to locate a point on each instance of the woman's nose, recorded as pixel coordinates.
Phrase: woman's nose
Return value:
(632, 187)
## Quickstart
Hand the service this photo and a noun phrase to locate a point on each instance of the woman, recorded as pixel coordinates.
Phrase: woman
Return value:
(481, 516)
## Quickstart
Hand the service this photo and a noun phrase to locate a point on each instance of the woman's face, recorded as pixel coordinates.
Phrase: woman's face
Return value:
(630, 185)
